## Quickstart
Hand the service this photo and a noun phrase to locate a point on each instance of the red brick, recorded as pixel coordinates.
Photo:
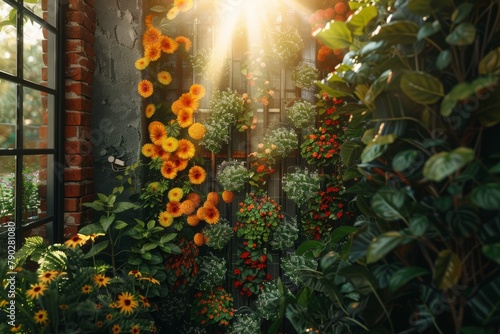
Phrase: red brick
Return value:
(72, 205)
(79, 88)
(70, 230)
(78, 147)
(78, 73)
(82, 18)
(77, 31)
(43, 132)
(74, 189)
(77, 118)
(79, 160)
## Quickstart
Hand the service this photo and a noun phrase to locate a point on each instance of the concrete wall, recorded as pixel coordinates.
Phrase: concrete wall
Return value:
(117, 108)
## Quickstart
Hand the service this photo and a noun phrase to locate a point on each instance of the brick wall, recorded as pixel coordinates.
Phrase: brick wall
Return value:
(80, 66)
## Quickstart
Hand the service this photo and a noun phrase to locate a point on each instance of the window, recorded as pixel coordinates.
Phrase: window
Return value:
(31, 111)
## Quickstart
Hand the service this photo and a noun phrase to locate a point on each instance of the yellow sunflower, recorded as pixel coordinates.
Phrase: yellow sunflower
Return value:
(187, 207)
(145, 88)
(153, 52)
(169, 144)
(197, 90)
(157, 132)
(86, 289)
(36, 290)
(197, 131)
(135, 273)
(193, 220)
(151, 36)
(175, 194)
(150, 110)
(109, 316)
(212, 215)
(180, 164)
(174, 208)
(189, 101)
(186, 41)
(197, 175)
(116, 329)
(168, 45)
(145, 302)
(168, 170)
(16, 329)
(41, 317)
(148, 150)
(48, 276)
(165, 219)
(150, 279)
(77, 240)
(186, 149)
(101, 280)
(172, 13)
(183, 5)
(126, 303)
(164, 78)
(185, 118)
(135, 329)
(141, 63)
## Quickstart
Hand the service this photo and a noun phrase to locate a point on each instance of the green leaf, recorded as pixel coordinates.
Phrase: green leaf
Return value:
(488, 109)
(443, 59)
(383, 244)
(388, 204)
(404, 275)
(463, 221)
(490, 63)
(397, 32)
(329, 90)
(310, 247)
(487, 196)
(96, 249)
(360, 277)
(443, 164)
(124, 206)
(120, 225)
(360, 19)
(421, 87)
(428, 29)
(485, 303)
(148, 246)
(476, 330)
(405, 160)
(91, 229)
(378, 86)
(373, 151)
(463, 34)
(461, 12)
(335, 35)
(97, 206)
(134, 260)
(106, 221)
(425, 7)
(351, 152)
(167, 237)
(447, 270)
(341, 232)
(156, 259)
(492, 251)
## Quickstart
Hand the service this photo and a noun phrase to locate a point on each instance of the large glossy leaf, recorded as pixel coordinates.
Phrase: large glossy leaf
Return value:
(447, 269)
(485, 304)
(388, 204)
(360, 19)
(492, 251)
(461, 12)
(310, 248)
(351, 152)
(378, 86)
(487, 196)
(463, 222)
(360, 277)
(422, 87)
(397, 32)
(405, 161)
(443, 164)
(331, 91)
(419, 224)
(106, 221)
(335, 35)
(463, 34)
(97, 248)
(488, 109)
(444, 59)
(404, 275)
(490, 63)
(383, 244)
(425, 7)
(341, 232)
(428, 29)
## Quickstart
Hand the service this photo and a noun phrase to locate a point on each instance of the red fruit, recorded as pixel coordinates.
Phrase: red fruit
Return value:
(340, 8)
(339, 18)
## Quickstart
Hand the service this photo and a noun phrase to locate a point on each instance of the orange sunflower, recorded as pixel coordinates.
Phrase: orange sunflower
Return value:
(41, 317)
(101, 280)
(186, 149)
(176, 106)
(164, 78)
(175, 194)
(157, 132)
(189, 101)
(174, 208)
(187, 207)
(168, 45)
(48, 276)
(86, 289)
(77, 240)
(165, 219)
(145, 88)
(168, 170)
(148, 20)
(150, 110)
(141, 63)
(212, 215)
(197, 90)
(186, 41)
(36, 290)
(116, 329)
(153, 52)
(193, 220)
(180, 164)
(213, 197)
(201, 213)
(135, 329)
(197, 131)
(195, 198)
(148, 150)
(185, 118)
(227, 196)
(169, 144)
(151, 36)
(126, 303)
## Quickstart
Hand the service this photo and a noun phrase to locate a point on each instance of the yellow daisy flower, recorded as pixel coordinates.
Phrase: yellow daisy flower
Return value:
(172, 13)
(36, 290)
(77, 240)
(48, 276)
(193, 220)
(145, 88)
(16, 329)
(101, 280)
(175, 194)
(168, 170)
(116, 329)
(197, 90)
(126, 303)
(187, 207)
(183, 5)
(86, 289)
(151, 36)
(153, 52)
(169, 144)
(135, 329)
(168, 45)
(135, 273)
(185, 118)
(41, 317)
(186, 41)
(186, 149)
(174, 208)
(148, 150)
(164, 77)
(199, 239)
(157, 132)
(141, 63)
(165, 219)
(150, 110)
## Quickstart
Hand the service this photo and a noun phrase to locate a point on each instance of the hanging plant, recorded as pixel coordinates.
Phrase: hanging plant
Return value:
(232, 175)
(301, 114)
(282, 139)
(286, 43)
(301, 185)
(304, 75)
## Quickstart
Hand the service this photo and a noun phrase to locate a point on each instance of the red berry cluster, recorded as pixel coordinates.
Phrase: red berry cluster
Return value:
(182, 269)
(250, 272)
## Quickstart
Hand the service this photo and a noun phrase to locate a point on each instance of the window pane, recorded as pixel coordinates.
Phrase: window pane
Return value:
(8, 39)
(36, 49)
(31, 200)
(38, 119)
(8, 115)
(43, 5)
(7, 186)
